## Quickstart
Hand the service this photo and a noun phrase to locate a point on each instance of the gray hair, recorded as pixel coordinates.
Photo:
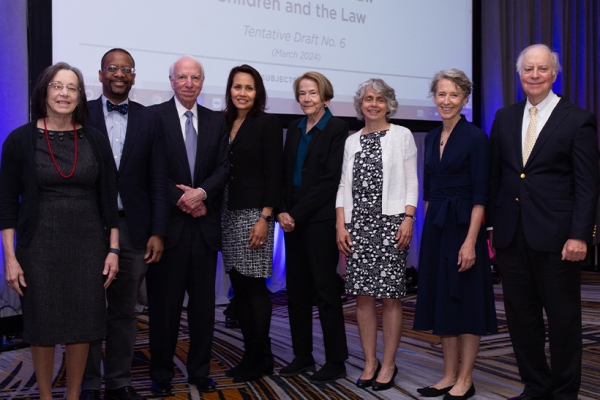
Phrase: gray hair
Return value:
(556, 68)
(379, 87)
(192, 58)
(456, 76)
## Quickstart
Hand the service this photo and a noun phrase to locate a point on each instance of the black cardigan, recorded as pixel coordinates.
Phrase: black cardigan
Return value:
(19, 186)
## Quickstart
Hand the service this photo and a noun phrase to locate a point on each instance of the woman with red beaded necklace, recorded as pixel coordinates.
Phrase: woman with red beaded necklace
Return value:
(58, 198)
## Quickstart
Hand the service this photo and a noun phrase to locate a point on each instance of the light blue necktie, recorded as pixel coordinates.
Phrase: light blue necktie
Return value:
(191, 139)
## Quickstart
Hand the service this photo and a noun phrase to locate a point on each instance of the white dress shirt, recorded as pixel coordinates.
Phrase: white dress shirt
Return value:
(544, 109)
(181, 110)
(116, 126)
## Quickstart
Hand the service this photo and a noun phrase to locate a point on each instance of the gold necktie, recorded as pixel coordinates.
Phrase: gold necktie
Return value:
(530, 136)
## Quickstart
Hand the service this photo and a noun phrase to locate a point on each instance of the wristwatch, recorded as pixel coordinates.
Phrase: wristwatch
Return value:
(114, 251)
(269, 218)
(410, 216)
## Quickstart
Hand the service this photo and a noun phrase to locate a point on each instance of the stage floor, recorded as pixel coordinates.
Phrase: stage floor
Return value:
(419, 359)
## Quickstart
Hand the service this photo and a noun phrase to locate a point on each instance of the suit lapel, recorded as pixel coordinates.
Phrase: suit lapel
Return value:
(316, 136)
(173, 128)
(244, 129)
(516, 129)
(133, 127)
(558, 114)
(97, 115)
(203, 139)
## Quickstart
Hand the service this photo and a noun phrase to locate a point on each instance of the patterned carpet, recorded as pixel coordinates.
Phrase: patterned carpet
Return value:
(419, 360)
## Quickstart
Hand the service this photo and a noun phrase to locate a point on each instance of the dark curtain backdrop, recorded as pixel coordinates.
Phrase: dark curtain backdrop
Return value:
(569, 27)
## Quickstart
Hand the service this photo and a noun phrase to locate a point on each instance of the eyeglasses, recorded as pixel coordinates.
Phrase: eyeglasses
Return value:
(126, 70)
(58, 87)
(196, 79)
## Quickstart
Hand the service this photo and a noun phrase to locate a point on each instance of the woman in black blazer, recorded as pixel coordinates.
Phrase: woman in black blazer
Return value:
(312, 168)
(254, 188)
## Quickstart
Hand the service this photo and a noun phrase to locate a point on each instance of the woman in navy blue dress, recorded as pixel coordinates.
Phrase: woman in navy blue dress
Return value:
(455, 295)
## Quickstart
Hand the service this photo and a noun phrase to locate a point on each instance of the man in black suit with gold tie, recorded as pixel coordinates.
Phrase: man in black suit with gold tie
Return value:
(137, 139)
(198, 169)
(543, 196)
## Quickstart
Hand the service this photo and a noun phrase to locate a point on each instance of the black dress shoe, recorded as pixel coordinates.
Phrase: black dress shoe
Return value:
(124, 393)
(385, 386)
(330, 372)
(524, 396)
(89, 395)
(162, 388)
(203, 384)
(365, 383)
(433, 392)
(298, 366)
(468, 394)
(231, 372)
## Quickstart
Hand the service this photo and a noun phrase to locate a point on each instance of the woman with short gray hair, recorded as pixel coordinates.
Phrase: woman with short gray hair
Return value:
(375, 210)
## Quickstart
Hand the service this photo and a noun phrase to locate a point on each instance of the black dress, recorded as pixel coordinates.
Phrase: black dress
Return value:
(449, 302)
(64, 299)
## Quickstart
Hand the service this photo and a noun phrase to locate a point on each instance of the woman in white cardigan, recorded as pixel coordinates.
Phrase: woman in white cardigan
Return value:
(375, 208)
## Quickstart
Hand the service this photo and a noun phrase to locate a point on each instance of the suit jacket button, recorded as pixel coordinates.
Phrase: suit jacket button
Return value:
(231, 178)
(517, 199)
(522, 176)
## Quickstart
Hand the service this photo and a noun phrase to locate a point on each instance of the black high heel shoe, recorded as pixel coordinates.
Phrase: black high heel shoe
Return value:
(377, 386)
(365, 383)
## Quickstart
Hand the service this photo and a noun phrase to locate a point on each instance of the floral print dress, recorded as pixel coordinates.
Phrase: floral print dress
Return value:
(375, 267)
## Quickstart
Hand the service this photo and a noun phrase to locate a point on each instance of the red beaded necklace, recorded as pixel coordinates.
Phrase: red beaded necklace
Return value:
(52, 154)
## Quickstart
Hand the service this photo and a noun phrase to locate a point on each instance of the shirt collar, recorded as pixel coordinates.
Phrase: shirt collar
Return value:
(320, 125)
(542, 105)
(181, 110)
